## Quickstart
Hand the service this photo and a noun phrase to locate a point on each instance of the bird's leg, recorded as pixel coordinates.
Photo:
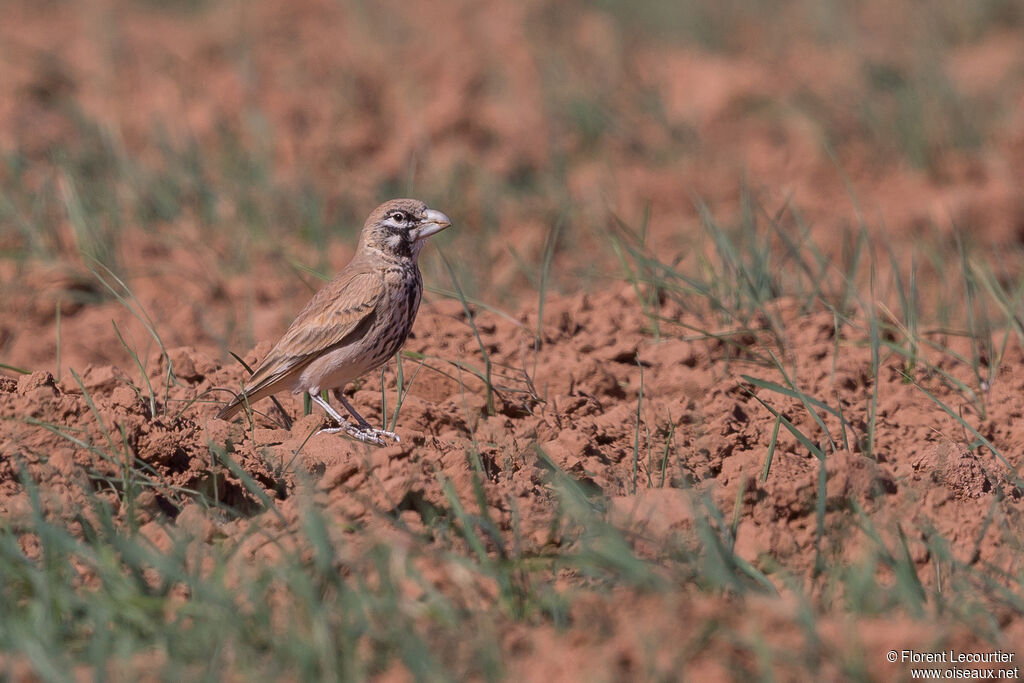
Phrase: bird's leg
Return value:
(364, 431)
(363, 424)
(344, 425)
(331, 412)
(352, 411)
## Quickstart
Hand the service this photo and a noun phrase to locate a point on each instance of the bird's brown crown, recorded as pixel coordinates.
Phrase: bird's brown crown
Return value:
(398, 227)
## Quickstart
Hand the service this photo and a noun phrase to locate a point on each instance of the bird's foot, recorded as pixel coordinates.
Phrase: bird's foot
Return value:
(370, 435)
(380, 434)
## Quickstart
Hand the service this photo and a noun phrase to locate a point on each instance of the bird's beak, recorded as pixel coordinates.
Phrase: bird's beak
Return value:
(433, 222)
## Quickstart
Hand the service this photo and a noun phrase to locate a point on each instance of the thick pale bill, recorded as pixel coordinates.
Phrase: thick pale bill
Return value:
(433, 223)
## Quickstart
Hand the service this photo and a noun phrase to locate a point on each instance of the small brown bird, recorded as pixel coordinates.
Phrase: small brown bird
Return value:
(356, 322)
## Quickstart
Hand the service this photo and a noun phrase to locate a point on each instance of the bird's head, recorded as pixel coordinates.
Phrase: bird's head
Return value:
(399, 228)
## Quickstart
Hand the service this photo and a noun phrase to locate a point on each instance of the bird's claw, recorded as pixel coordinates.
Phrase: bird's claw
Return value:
(370, 435)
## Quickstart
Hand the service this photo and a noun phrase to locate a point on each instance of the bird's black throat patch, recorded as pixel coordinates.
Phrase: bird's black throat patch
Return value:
(399, 242)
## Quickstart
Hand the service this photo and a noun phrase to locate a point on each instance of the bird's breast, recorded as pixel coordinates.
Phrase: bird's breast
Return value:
(405, 290)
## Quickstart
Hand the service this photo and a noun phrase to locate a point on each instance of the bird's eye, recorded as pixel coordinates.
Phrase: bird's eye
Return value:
(399, 217)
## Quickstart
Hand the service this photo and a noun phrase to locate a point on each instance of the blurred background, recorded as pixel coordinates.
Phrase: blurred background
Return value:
(221, 155)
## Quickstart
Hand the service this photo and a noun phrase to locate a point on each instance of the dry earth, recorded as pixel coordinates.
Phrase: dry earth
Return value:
(575, 398)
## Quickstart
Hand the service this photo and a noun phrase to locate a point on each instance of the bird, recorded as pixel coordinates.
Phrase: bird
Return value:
(356, 322)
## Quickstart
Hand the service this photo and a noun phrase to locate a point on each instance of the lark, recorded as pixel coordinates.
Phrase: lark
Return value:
(356, 322)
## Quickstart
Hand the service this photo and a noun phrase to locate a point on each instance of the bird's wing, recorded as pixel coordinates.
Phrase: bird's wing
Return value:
(342, 309)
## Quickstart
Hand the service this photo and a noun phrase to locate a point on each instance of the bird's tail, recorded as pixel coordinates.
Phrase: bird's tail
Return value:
(249, 395)
(272, 376)
(229, 411)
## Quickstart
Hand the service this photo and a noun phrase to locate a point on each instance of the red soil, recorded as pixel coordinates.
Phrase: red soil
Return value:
(588, 378)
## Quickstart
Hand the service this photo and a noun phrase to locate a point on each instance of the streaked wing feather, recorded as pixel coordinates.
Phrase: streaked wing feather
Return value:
(333, 314)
